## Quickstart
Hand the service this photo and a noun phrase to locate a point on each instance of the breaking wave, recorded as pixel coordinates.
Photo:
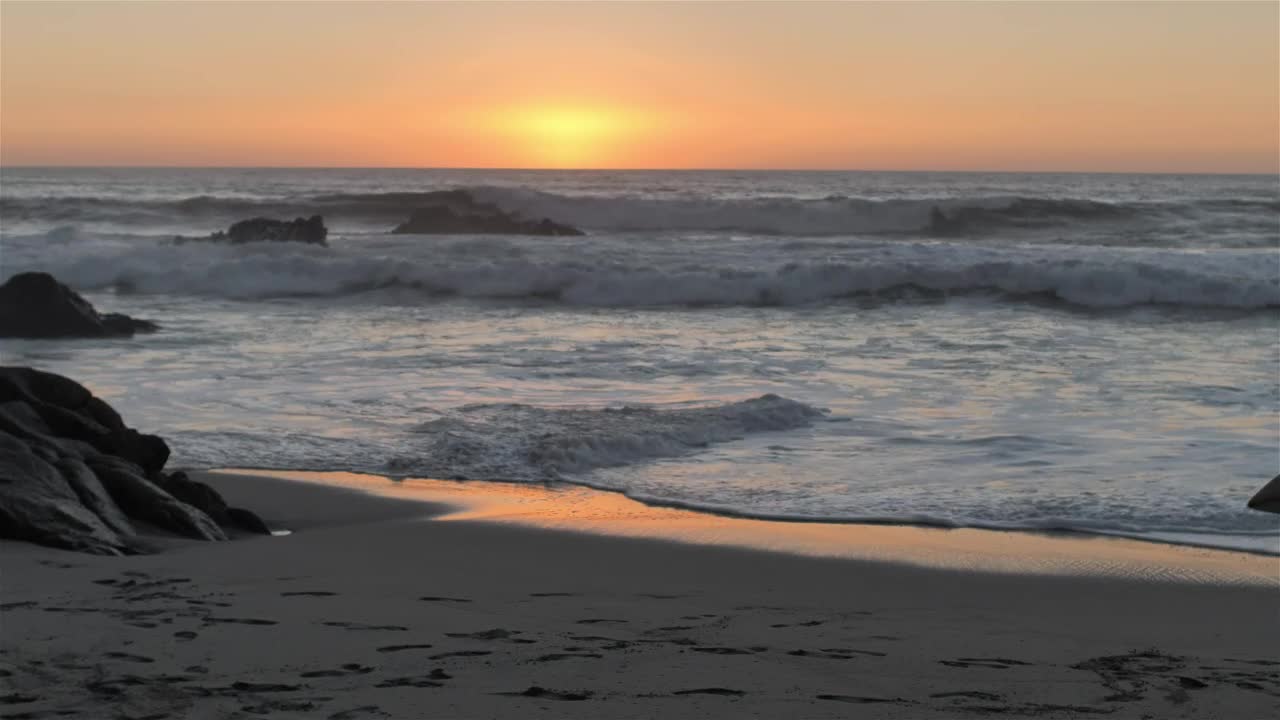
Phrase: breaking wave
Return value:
(618, 275)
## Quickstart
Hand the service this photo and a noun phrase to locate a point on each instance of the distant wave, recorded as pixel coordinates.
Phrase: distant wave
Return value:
(833, 215)
(533, 269)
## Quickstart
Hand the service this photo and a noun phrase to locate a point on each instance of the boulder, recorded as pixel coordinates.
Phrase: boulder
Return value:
(199, 495)
(67, 411)
(310, 231)
(1268, 498)
(144, 500)
(74, 476)
(38, 505)
(36, 305)
(457, 212)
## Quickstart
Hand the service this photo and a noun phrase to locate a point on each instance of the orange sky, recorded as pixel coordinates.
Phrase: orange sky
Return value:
(1177, 87)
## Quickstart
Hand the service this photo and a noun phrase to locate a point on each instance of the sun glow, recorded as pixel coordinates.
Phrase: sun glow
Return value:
(568, 136)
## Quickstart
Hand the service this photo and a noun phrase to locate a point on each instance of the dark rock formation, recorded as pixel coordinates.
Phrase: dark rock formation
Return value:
(456, 212)
(36, 305)
(73, 476)
(1268, 498)
(299, 230)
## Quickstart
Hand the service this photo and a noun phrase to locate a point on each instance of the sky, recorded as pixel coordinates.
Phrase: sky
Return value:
(1025, 86)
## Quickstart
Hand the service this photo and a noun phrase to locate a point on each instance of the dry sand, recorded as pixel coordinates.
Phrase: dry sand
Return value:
(495, 602)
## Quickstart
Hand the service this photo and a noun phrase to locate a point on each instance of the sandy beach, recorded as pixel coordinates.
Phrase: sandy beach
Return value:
(491, 603)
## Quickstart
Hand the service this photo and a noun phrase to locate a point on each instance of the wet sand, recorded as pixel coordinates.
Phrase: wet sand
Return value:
(491, 601)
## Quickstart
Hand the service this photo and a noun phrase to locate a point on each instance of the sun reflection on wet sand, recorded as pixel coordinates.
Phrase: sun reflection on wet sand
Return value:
(580, 509)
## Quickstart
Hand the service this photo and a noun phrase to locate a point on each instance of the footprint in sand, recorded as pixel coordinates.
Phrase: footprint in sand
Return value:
(807, 623)
(494, 634)
(356, 712)
(241, 686)
(614, 643)
(598, 621)
(129, 657)
(186, 635)
(722, 650)
(408, 682)
(543, 693)
(861, 700)
(970, 694)
(835, 653)
(239, 621)
(433, 598)
(727, 692)
(362, 626)
(400, 648)
(270, 707)
(992, 663)
(566, 655)
(215, 603)
(348, 669)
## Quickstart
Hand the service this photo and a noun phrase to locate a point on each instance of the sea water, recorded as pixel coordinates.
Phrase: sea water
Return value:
(1098, 353)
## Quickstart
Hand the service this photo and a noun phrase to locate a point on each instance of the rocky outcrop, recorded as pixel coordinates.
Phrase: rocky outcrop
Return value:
(1268, 498)
(457, 212)
(36, 305)
(73, 476)
(310, 231)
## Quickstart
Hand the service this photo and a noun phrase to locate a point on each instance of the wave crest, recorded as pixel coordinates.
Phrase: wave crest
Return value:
(603, 274)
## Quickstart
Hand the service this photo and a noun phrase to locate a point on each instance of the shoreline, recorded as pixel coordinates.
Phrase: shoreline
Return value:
(1164, 538)
(480, 607)
(583, 508)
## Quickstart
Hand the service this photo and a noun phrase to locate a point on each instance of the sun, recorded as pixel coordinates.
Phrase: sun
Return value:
(566, 136)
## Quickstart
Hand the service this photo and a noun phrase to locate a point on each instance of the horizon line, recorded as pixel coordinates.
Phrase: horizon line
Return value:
(633, 169)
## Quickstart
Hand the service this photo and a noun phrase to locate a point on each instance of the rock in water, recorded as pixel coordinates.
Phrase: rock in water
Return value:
(310, 231)
(36, 305)
(73, 476)
(456, 212)
(1268, 498)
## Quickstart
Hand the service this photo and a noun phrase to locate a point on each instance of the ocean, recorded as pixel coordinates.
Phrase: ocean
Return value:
(1089, 353)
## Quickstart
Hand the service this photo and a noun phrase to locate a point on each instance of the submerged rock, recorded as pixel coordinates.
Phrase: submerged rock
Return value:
(311, 231)
(36, 305)
(73, 476)
(1268, 498)
(457, 212)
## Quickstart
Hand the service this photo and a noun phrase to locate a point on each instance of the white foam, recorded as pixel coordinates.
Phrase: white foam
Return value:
(635, 272)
